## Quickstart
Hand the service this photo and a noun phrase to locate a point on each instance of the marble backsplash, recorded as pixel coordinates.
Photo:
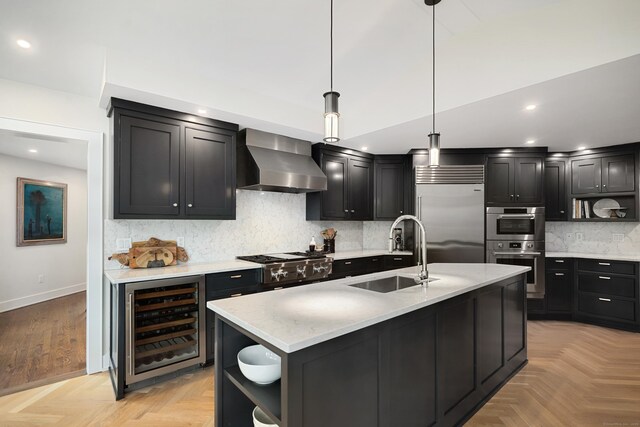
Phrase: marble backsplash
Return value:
(265, 223)
(596, 237)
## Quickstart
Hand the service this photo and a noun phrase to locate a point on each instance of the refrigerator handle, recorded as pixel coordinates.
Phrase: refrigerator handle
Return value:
(415, 228)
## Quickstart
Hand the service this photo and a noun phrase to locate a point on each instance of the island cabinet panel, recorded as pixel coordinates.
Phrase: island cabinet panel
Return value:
(489, 323)
(409, 397)
(435, 366)
(456, 354)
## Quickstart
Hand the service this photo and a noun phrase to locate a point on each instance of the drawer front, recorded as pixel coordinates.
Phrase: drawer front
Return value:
(232, 293)
(228, 281)
(608, 284)
(349, 267)
(558, 264)
(397, 261)
(603, 306)
(604, 266)
(374, 264)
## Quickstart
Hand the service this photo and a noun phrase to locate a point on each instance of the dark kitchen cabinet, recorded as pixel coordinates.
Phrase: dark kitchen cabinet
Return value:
(555, 190)
(349, 194)
(559, 285)
(171, 165)
(603, 174)
(514, 181)
(390, 190)
(607, 293)
(227, 285)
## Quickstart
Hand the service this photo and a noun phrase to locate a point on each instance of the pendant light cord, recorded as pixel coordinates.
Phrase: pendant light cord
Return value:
(434, 69)
(331, 37)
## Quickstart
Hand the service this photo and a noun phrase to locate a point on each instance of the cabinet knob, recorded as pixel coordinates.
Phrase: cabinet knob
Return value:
(517, 196)
(190, 205)
(175, 205)
(561, 212)
(400, 212)
(604, 185)
(597, 186)
(346, 210)
(511, 196)
(352, 211)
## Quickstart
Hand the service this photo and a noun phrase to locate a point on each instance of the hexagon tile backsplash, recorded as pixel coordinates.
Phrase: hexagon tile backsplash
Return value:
(265, 223)
(599, 238)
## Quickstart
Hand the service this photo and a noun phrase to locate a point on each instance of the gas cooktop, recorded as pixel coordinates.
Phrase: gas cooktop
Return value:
(283, 257)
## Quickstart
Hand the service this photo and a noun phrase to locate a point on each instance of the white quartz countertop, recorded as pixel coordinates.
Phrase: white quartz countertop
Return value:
(295, 318)
(609, 257)
(128, 275)
(365, 253)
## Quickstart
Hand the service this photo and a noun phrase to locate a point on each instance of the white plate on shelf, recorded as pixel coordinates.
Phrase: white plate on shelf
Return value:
(603, 207)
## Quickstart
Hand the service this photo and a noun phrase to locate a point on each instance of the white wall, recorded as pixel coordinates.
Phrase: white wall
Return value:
(63, 265)
(265, 223)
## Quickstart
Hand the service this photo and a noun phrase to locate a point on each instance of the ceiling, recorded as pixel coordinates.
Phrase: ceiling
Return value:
(266, 65)
(53, 150)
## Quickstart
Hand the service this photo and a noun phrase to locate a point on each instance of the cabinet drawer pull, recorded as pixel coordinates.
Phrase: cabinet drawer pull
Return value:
(374, 260)
(236, 295)
(605, 299)
(559, 274)
(237, 276)
(560, 261)
(397, 259)
(604, 277)
(175, 205)
(347, 263)
(604, 263)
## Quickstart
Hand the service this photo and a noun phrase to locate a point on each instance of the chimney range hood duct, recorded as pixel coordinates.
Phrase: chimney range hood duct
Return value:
(269, 162)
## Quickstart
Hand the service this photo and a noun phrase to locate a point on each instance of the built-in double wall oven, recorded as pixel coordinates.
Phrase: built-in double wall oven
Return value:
(515, 236)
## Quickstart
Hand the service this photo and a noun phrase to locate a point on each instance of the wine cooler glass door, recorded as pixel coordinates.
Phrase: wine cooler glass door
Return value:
(163, 326)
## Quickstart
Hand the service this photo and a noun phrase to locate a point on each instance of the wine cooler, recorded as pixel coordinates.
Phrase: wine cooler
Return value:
(163, 327)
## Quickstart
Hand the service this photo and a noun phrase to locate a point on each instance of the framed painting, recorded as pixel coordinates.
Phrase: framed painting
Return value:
(41, 212)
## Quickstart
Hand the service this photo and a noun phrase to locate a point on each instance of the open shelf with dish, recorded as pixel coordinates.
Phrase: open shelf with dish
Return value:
(609, 208)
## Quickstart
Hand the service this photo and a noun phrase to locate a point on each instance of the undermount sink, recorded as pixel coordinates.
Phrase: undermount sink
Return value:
(388, 284)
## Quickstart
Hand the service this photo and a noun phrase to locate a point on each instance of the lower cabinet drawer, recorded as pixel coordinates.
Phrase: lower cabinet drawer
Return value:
(607, 284)
(348, 267)
(397, 261)
(603, 306)
(607, 266)
(226, 282)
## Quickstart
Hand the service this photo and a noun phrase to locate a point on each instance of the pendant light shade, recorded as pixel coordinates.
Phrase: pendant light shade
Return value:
(434, 150)
(331, 114)
(434, 137)
(331, 117)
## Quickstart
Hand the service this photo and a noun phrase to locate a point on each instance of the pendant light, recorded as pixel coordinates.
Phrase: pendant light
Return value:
(434, 138)
(331, 114)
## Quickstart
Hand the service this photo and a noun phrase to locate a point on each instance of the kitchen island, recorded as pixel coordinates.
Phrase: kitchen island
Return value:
(354, 357)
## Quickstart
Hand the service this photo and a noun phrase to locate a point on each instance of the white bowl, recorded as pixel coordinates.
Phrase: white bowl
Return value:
(261, 420)
(259, 364)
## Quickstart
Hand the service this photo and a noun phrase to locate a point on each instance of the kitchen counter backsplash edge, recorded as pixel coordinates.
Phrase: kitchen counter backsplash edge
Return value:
(584, 255)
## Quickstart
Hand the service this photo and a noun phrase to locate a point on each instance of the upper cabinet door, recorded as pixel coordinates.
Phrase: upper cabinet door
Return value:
(499, 181)
(389, 194)
(585, 176)
(210, 178)
(147, 167)
(618, 173)
(334, 200)
(528, 180)
(360, 177)
(555, 191)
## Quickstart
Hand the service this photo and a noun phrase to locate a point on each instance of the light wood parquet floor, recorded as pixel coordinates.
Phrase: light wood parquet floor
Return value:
(43, 343)
(578, 375)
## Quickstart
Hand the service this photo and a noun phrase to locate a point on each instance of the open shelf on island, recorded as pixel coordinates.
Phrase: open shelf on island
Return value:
(267, 396)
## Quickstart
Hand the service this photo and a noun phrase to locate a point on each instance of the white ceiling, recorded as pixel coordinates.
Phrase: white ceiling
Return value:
(53, 150)
(265, 65)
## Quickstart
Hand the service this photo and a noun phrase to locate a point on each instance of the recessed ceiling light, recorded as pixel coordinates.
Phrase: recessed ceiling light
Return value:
(33, 150)
(23, 44)
(364, 148)
(530, 107)
(531, 141)
(582, 147)
(202, 111)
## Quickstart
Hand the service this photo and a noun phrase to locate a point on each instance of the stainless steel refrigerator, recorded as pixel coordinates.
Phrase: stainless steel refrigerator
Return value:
(450, 204)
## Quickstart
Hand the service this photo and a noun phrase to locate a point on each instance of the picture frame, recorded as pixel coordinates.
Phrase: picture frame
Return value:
(41, 212)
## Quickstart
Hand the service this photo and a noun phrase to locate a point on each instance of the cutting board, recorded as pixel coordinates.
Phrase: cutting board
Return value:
(148, 257)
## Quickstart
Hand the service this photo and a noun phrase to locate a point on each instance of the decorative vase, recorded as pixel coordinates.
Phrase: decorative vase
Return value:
(330, 245)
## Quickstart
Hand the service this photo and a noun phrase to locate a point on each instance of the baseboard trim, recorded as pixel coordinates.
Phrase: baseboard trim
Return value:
(41, 297)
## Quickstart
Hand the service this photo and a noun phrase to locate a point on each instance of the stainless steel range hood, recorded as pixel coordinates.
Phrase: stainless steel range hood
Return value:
(269, 162)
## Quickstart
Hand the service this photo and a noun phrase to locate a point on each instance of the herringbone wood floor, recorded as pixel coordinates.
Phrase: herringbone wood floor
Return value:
(578, 375)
